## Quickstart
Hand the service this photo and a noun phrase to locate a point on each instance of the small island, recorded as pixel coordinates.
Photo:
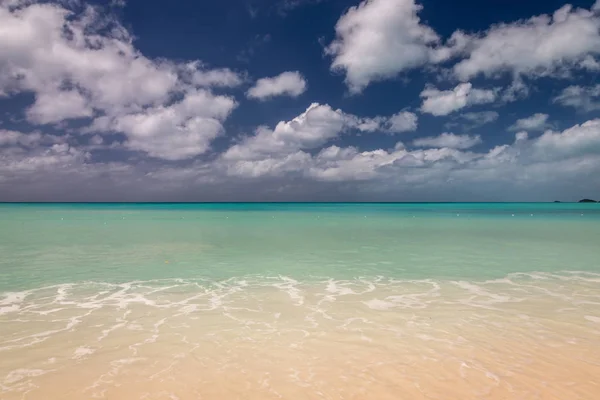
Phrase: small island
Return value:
(587, 201)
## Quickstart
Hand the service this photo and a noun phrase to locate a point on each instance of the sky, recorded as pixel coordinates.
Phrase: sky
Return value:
(299, 100)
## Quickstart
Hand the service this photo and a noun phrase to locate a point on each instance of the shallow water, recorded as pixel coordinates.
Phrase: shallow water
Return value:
(300, 301)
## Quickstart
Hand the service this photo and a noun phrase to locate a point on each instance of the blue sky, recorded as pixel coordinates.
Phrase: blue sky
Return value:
(299, 100)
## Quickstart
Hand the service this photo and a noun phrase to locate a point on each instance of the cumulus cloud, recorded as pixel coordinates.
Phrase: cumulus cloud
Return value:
(525, 164)
(524, 169)
(312, 129)
(522, 166)
(49, 47)
(404, 121)
(84, 65)
(515, 91)
(287, 151)
(591, 64)
(318, 124)
(26, 155)
(378, 39)
(27, 140)
(580, 98)
(535, 122)
(198, 74)
(472, 120)
(443, 102)
(162, 115)
(336, 164)
(540, 46)
(52, 107)
(477, 119)
(575, 141)
(290, 83)
(179, 131)
(449, 140)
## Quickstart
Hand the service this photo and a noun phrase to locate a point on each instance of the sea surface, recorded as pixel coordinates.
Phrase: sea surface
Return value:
(300, 301)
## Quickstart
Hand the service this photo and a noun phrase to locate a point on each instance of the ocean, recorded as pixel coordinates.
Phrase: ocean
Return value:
(300, 301)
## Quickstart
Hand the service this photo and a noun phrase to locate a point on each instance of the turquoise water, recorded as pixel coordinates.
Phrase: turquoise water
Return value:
(45, 244)
(299, 301)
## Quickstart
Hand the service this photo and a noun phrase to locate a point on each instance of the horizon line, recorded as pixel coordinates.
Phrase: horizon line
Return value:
(283, 202)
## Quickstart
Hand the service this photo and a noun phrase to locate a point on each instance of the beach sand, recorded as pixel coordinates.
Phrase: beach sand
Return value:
(521, 337)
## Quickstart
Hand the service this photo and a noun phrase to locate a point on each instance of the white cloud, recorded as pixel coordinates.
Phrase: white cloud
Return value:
(542, 45)
(555, 165)
(49, 47)
(179, 131)
(481, 118)
(196, 73)
(37, 159)
(535, 122)
(532, 163)
(580, 98)
(283, 149)
(515, 91)
(379, 39)
(575, 141)
(85, 65)
(29, 140)
(290, 83)
(443, 102)
(13, 138)
(596, 5)
(404, 121)
(52, 107)
(96, 140)
(270, 166)
(313, 128)
(591, 64)
(353, 165)
(449, 140)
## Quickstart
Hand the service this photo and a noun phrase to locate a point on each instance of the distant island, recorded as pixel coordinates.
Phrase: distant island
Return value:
(580, 201)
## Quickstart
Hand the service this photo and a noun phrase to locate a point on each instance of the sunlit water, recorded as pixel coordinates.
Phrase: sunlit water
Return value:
(300, 301)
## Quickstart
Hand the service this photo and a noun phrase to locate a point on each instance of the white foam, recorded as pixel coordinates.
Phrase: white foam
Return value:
(9, 309)
(407, 301)
(81, 352)
(478, 290)
(332, 287)
(11, 298)
(289, 286)
(106, 332)
(190, 308)
(62, 292)
(22, 373)
(592, 319)
(376, 304)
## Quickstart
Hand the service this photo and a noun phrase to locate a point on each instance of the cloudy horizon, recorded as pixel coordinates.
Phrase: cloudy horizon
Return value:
(379, 100)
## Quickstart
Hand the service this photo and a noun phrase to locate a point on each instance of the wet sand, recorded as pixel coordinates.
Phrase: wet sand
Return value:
(527, 336)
